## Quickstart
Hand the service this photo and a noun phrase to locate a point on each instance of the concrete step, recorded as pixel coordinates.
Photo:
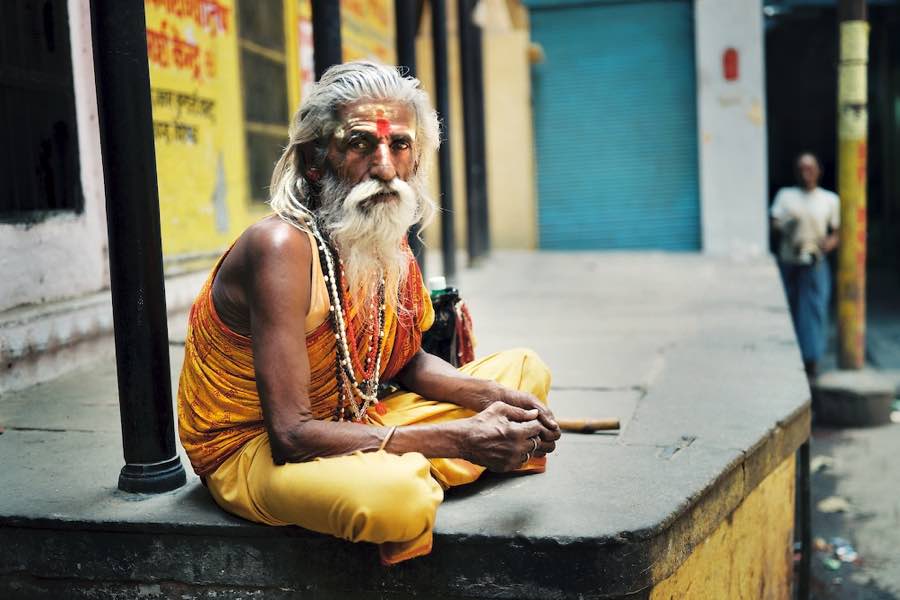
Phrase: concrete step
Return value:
(706, 379)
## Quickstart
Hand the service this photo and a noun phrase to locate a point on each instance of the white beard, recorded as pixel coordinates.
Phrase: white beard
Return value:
(369, 231)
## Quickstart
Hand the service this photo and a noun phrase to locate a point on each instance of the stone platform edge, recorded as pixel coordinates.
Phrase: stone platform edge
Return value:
(109, 556)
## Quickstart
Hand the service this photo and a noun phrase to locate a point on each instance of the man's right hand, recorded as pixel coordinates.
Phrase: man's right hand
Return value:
(502, 437)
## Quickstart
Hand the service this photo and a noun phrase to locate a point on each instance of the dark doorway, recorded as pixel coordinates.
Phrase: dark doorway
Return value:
(801, 84)
(39, 172)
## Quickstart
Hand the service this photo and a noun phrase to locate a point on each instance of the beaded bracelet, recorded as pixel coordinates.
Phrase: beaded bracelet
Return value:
(387, 438)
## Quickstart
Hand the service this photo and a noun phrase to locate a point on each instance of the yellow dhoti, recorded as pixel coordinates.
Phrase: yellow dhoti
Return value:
(377, 496)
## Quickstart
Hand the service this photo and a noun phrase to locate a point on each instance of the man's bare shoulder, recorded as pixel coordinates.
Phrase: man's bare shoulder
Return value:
(274, 243)
(269, 258)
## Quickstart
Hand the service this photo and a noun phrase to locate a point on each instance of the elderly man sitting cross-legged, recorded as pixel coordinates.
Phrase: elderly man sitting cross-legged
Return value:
(313, 307)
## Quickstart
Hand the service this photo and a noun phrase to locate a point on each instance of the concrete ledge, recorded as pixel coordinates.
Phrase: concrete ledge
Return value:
(208, 548)
(44, 341)
(705, 377)
(854, 398)
(740, 559)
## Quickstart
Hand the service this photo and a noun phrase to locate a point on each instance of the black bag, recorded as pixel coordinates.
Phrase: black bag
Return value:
(441, 340)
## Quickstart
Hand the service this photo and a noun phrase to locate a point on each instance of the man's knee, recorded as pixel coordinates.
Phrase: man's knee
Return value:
(535, 377)
(399, 504)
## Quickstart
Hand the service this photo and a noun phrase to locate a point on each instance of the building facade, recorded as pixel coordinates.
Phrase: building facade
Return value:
(225, 77)
(650, 125)
(801, 51)
(608, 125)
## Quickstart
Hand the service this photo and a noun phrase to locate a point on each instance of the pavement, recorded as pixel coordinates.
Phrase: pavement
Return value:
(862, 467)
(664, 342)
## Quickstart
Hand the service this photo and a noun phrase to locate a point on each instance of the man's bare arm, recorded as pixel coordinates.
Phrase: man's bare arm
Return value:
(278, 289)
(434, 378)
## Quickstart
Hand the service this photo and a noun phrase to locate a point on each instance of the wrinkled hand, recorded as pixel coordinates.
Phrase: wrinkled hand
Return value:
(502, 437)
(528, 402)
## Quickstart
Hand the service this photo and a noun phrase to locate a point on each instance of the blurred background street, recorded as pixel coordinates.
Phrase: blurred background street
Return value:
(859, 466)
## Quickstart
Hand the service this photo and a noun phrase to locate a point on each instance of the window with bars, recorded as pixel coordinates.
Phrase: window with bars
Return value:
(264, 83)
(39, 173)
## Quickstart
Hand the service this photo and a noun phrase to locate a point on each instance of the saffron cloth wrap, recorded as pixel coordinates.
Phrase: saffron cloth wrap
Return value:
(218, 403)
(378, 497)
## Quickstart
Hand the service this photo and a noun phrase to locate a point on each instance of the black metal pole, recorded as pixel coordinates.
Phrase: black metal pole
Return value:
(803, 499)
(135, 248)
(406, 21)
(852, 10)
(470, 58)
(326, 22)
(445, 163)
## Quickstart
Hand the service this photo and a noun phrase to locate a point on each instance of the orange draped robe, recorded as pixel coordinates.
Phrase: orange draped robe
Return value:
(221, 427)
(218, 403)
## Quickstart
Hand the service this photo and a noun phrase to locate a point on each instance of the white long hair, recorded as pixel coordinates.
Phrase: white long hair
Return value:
(369, 237)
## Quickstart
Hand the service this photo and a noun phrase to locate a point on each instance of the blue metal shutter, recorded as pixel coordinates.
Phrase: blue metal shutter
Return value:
(616, 125)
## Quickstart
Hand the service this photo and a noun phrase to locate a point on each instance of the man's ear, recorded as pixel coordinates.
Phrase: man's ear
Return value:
(308, 161)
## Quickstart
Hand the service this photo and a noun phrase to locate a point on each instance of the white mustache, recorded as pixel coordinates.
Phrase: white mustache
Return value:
(372, 187)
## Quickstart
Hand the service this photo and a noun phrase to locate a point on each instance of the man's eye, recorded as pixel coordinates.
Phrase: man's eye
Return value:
(359, 144)
(401, 145)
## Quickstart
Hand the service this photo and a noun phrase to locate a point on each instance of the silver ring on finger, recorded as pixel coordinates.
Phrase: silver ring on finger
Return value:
(527, 457)
(534, 448)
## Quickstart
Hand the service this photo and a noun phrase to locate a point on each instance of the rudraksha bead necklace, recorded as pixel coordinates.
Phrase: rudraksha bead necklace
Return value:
(347, 357)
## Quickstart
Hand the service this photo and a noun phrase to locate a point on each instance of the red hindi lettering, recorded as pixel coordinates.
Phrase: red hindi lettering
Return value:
(158, 47)
(213, 16)
(186, 55)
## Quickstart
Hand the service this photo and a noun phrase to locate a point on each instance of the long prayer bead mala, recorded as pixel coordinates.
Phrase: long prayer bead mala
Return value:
(348, 385)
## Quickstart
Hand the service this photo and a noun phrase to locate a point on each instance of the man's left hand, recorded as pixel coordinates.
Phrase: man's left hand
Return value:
(528, 401)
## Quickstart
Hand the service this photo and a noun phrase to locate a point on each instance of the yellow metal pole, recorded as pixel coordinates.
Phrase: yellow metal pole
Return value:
(852, 152)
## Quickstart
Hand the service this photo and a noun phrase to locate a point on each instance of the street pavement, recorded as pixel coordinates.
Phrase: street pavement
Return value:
(862, 467)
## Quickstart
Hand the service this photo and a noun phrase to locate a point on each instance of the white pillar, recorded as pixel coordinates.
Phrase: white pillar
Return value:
(731, 121)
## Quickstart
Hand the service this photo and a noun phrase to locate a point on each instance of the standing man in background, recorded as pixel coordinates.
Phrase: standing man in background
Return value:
(807, 217)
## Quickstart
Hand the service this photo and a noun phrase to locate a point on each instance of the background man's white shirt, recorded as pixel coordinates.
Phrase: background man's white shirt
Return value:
(803, 217)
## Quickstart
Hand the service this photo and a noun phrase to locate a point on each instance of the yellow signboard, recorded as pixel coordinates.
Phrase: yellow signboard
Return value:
(367, 32)
(197, 116)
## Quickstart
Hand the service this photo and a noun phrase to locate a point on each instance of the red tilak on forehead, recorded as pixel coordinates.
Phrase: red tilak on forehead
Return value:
(383, 127)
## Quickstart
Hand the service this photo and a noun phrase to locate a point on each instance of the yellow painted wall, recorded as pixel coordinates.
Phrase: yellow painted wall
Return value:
(509, 136)
(367, 32)
(197, 114)
(749, 555)
(195, 76)
(509, 139)
(425, 72)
